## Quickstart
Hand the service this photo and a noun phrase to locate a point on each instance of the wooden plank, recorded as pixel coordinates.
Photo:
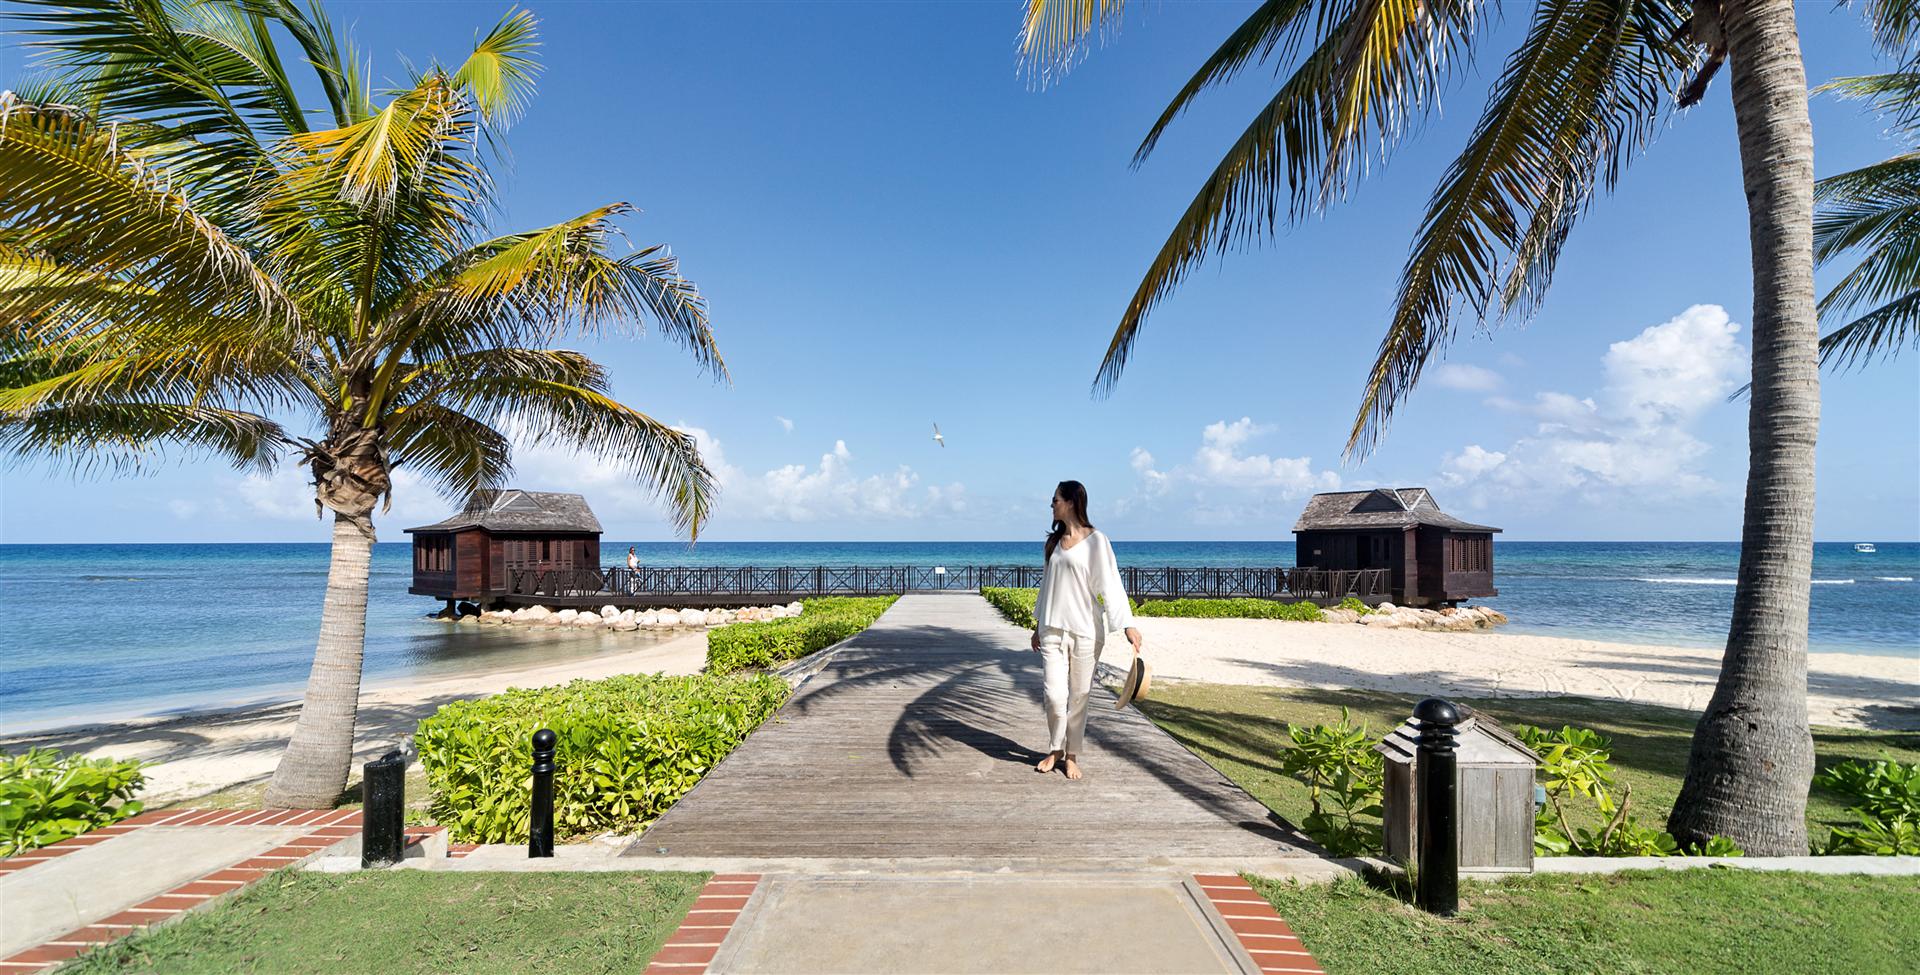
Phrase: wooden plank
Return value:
(919, 738)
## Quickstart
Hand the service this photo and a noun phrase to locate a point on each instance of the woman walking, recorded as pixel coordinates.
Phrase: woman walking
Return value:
(1080, 585)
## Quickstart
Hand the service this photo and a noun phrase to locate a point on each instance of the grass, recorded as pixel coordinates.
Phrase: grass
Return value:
(1644, 921)
(407, 921)
(1240, 730)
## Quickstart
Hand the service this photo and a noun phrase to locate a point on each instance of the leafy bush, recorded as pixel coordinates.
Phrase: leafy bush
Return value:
(1886, 799)
(46, 797)
(629, 747)
(1353, 604)
(1576, 764)
(821, 624)
(1344, 778)
(1014, 604)
(1262, 609)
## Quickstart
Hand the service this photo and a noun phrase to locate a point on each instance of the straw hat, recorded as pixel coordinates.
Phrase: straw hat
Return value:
(1139, 681)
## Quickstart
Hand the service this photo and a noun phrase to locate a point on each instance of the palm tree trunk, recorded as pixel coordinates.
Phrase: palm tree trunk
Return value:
(313, 772)
(1752, 757)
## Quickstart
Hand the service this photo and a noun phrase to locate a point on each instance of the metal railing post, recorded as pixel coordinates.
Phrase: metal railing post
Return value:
(1438, 850)
(540, 830)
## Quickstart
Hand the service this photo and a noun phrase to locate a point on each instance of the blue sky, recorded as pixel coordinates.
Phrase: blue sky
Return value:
(894, 229)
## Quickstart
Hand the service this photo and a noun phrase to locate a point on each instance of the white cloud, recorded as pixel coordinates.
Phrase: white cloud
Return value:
(1473, 379)
(1220, 463)
(183, 509)
(1633, 436)
(832, 489)
(785, 424)
(1222, 483)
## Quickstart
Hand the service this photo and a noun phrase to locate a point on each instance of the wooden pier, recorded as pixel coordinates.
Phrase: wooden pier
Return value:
(745, 585)
(918, 738)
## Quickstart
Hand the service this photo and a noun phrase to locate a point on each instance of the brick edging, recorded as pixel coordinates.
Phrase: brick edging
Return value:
(329, 827)
(1273, 945)
(692, 946)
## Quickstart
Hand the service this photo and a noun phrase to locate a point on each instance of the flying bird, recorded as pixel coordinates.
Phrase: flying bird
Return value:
(937, 437)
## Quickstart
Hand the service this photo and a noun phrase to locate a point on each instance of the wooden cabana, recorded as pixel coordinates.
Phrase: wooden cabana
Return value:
(1434, 557)
(473, 554)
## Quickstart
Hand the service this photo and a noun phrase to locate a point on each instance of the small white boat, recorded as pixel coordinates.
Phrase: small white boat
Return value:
(1864, 548)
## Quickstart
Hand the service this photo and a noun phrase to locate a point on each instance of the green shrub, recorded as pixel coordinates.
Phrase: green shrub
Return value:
(1260, 609)
(1576, 763)
(46, 797)
(1886, 801)
(1014, 604)
(821, 624)
(629, 747)
(1354, 604)
(1345, 778)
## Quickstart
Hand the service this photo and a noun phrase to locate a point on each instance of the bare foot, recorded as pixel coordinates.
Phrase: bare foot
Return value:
(1073, 768)
(1046, 764)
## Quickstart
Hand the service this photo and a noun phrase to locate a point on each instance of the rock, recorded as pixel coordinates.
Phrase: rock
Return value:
(794, 608)
(669, 617)
(1494, 616)
(567, 615)
(1449, 610)
(628, 616)
(589, 620)
(649, 618)
(693, 617)
(1386, 607)
(1338, 615)
(624, 624)
(609, 612)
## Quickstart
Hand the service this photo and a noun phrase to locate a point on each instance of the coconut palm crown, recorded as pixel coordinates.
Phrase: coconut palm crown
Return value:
(188, 265)
(1870, 214)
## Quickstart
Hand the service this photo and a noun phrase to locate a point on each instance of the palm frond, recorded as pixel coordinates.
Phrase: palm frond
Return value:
(1895, 93)
(1878, 334)
(69, 188)
(557, 414)
(1577, 99)
(127, 437)
(1054, 32)
(499, 73)
(457, 453)
(1366, 73)
(1275, 29)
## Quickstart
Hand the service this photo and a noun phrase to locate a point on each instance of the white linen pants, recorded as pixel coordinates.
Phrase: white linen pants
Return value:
(1069, 662)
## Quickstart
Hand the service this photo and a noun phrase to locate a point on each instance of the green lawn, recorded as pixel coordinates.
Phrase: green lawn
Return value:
(406, 921)
(1240, 731)
(1692, 921)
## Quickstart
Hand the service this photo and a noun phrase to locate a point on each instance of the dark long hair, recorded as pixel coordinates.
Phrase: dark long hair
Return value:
(1075, 494)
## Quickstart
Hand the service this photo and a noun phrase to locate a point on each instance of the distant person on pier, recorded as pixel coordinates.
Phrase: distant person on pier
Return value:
(633, 560)
(1080, 585)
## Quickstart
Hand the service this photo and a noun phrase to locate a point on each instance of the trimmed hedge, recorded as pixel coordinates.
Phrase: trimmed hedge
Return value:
(1014, 604)
(1017, 606)
(629, 747)
(46, 797)
(1259, 609)
(821, 624)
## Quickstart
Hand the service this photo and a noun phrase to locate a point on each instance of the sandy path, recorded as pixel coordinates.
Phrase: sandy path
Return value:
(1845, 690)
(207, 751)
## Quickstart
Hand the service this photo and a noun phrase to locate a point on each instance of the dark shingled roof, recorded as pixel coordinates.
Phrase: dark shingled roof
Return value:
(1378, 508)
(513, 510)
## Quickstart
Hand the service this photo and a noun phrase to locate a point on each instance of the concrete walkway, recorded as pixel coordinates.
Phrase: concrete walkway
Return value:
(918, 739)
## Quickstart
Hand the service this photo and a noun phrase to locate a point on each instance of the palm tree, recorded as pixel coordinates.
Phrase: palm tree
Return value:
(1577, 100)
(186, 263)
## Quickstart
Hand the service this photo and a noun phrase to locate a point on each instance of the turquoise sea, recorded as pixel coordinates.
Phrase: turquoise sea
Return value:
(103, 631)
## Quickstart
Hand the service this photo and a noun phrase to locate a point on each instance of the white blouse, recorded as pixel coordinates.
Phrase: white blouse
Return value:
(1080, 585)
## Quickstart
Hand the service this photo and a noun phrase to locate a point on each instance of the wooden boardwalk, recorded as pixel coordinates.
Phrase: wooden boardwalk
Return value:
(918, 740)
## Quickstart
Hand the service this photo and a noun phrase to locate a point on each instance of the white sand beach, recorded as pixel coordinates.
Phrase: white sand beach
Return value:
(1843, 689)
(203, 752)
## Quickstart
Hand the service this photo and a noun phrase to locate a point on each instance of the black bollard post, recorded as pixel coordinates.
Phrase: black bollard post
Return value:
(1438, 798)
(540, 834)
(383, 787)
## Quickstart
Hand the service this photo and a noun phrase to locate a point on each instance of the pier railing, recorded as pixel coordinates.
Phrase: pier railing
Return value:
(751, 582)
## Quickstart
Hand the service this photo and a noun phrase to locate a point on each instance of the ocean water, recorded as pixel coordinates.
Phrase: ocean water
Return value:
(105, 631)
